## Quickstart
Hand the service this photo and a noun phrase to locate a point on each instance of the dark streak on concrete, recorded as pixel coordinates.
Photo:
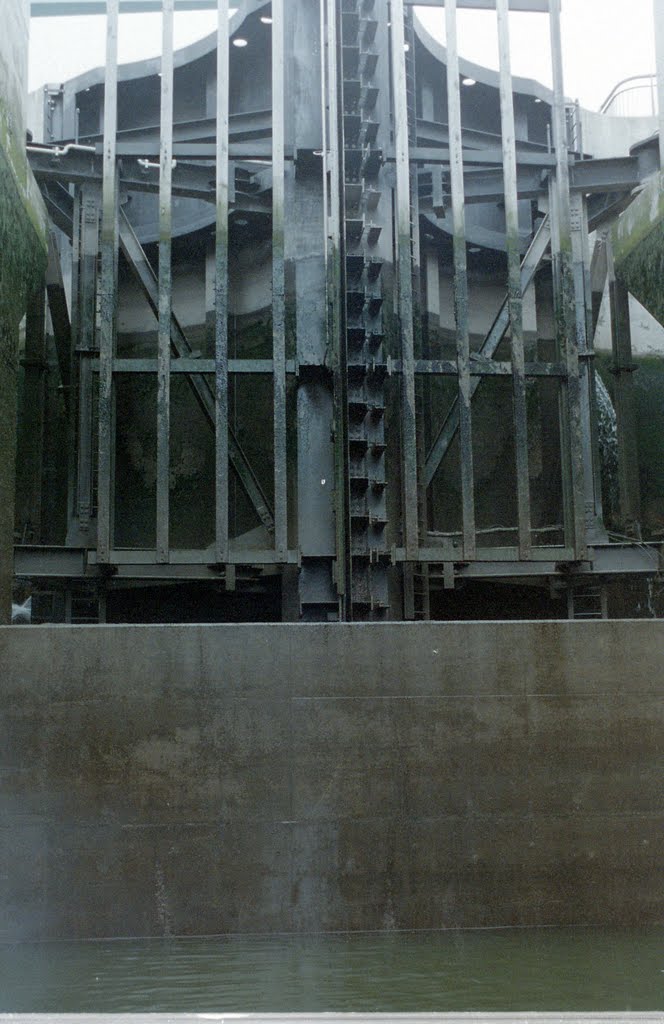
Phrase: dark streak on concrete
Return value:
(310, 778)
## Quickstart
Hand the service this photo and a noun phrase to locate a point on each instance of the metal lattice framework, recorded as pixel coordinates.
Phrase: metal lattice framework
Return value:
(346, 516)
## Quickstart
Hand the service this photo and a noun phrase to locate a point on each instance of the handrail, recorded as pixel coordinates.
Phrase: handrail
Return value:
(647, 80)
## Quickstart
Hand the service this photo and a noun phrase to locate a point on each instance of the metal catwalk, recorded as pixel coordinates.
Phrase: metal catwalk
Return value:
(331, 294)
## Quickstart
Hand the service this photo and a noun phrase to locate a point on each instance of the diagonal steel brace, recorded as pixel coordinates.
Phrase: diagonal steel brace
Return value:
(135, 255)
(531, 262)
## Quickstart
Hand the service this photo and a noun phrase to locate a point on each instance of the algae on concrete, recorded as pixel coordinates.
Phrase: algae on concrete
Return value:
(22, 260)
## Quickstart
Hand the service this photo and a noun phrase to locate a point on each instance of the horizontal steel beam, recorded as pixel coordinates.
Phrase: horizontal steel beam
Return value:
(189, 180)
(191, 365)
(536, 6)
(54, 8)
(481, 367)
(179, 557)
(45, 562)
(489, 155)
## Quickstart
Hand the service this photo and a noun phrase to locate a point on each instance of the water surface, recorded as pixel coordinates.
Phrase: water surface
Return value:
(510, 970)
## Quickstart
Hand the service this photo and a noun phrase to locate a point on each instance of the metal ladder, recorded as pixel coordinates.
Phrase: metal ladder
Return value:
(587, 601)
(366, 366)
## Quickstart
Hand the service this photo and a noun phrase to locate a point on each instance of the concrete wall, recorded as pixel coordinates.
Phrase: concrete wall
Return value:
(22, 257)
(268, 778)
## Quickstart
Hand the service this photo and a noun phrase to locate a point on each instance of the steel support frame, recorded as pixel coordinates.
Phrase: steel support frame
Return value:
(623, 399)
(565, 299)
(165, 285)
(222, 187)
(461, 311)
(515, 294)
(335, 326)
(53, 8)
(279, 277)
(108, 288)
(87, 341)
(404, 272)
(571, 269)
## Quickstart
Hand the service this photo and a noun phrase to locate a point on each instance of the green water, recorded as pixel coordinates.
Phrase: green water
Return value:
(556, 970)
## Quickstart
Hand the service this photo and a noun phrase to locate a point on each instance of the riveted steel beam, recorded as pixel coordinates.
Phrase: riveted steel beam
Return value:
(536, 6)
(279, 277)
(165, 284)
(565, 299)
(461, 311)
(514, 291)
(53, 8)
(221, 285)
(108, 286)
(404, 281)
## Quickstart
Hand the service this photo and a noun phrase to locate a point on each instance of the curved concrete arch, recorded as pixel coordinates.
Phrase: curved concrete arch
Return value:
(484, 75)
(150, 66)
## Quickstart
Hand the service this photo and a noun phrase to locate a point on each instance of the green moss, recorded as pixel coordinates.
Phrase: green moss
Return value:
(649, 413)
(22, 249)
(643, 272)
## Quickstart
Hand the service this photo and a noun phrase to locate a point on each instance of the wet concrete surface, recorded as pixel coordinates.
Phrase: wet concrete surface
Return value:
(202, 780)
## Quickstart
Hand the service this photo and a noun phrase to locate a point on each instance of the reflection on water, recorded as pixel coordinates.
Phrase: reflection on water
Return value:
(580, 969)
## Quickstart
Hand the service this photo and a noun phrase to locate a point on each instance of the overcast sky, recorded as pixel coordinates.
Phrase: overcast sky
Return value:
(604, 41)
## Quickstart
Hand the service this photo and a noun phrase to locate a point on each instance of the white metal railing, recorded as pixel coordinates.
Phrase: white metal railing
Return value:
(633, 97)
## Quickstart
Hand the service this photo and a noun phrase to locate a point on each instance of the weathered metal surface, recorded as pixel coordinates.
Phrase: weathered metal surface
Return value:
(58, 308)
(87, 341)
(332, 217)
(515, 294)
(403, 244)
(52, 8)
(460, 282)
(279, 278)
(165, 285)
(221, 285)
(108, 287)
(565, 297)
(141, 267)
(335, 339)
(530, 264)
(623, 371)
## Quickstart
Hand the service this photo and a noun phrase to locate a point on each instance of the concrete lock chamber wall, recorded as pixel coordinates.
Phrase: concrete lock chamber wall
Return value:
(320, 333)
(22, 260)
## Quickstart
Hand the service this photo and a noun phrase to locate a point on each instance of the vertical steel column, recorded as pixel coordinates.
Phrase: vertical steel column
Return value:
(333, 267)
(221, 285)
(165, 287)
(279, 278)
(515, 293)
(565, 298)
(405, 283)
(583, 307)
(72, 464)
(658, 11)
(460, 280)
(86, 240)
(629, 487)
(108, 284)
